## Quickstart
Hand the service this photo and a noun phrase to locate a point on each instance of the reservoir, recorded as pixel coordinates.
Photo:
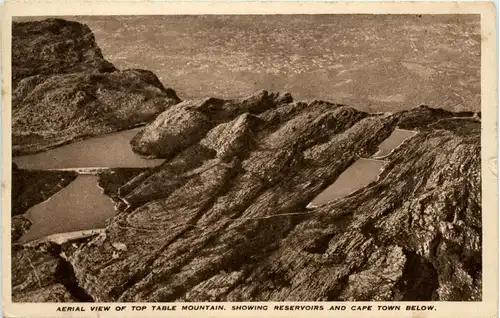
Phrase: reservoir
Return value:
(363, 171)
(357, 176)
(79, 206)
(395, 139)
(111, 150)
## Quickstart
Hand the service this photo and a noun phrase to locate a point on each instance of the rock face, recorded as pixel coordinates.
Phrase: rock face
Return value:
(225, 217)
(20, 225)
(188, 122)
(63, 89)
(41, 275)
(54, 46)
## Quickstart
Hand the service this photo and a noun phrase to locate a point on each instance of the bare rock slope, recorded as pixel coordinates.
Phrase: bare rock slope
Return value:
(39, 274)
(63, 89)
(225, 217)
(54, 46)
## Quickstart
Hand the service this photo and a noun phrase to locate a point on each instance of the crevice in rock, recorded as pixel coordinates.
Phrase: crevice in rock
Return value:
(334, 293)
(320, 245)
(66, 276)
(434, 245)
(419, 281)
(472, 261)
(118, 290)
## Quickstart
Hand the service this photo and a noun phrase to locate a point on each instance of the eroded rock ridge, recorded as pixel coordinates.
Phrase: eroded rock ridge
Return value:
(63, 88)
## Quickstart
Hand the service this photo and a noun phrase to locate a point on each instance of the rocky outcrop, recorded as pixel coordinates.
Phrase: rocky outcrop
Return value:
(225, 218)
(422, 116)
(19, 226)
(54, 46)
(188, 122)
(112, 181)
(63, 89)
(42, 275)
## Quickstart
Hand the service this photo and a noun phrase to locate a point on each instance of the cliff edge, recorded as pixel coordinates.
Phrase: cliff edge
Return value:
(63, 88)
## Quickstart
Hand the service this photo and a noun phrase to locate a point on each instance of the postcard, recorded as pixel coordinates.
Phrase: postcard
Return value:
(249, 159)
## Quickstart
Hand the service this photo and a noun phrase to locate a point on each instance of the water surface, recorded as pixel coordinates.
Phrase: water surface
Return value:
(79, 206)
(395, 139)
(357, 176)
(111, 150)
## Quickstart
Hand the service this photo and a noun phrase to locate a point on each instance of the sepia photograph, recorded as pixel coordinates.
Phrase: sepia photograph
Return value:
(213, 158)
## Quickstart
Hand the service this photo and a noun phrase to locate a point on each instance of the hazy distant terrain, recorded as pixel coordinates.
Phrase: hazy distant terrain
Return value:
(371, 62)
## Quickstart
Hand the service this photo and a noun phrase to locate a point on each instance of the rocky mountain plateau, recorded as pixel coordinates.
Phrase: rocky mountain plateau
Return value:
(225, 217)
